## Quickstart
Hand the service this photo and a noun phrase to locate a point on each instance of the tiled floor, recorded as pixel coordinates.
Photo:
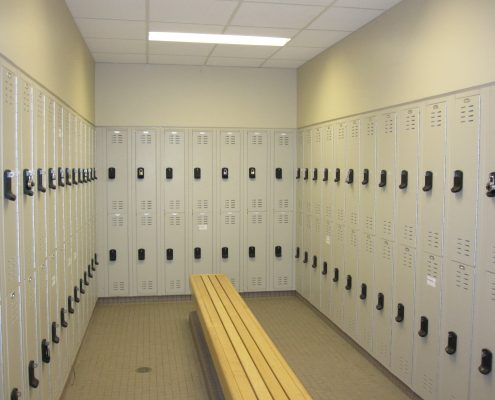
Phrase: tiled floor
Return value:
(124, 337)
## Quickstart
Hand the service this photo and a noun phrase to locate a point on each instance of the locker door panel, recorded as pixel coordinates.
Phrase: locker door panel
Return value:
(118, 271)
(365, 301)
(51, 163)
(31, 328)
(13, 341)
(116, 173)
(283, 156)
(313, 267)
(256, 267)
(230, 158)
(305, 255)
(299, 253)
(306, 182)
(145, 156)
(60, 192)
(300, 171)
(315, 170)
(351, 175)
(229, 264)
(385, 169)
(349, 281)
(427, 304)
(326, 260)
(337, 274)
(257, 158)
(340, 130)
(462, 142)
(407, 175)
(202, 162)
(367, 187)
(432, 159)
(145, 256)
(202, 240)
(175, 240)
(328, 189)
(457, 317)
(282, 262)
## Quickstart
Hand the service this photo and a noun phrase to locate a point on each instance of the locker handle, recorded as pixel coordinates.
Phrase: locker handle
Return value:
(45, 351)
(15, 394)
(28, 182)
(33, 382)
(55, 338)
(486, 362)
(252, 252)
(348, 285)
(423, 330)
(111, 173)
(381, 302)
(90, 274)
(252, 173)
(81, 286)
(140, 173)
(278, 173)
(93, 266)
(315, 262)
(197, 253)
(458, 180)
(169, 173)
(225, 253)
(298, 251)
(337, 175)
(403, 179)
(350, 176)
(325, 174)
(298, 173)
(428, 181)
(94, 174)
(306, 174)
(170, 254)
(383, 178)
(490, 186)
(52, 179)
(141, 254)
(84, 173)
(90, 174)
(112, 253)
(451, 343)
(315, 174)
(305, 259)
(366, 176)
(335, 275)
(7, 185)
(67, 177)
(278, 251)
(96, 259)
(39, 175)
(85, 279)
(79, 175)
(70, 306)
(225, 173)
(400, 313)
(324, 271)
(61, 177)
(364, 291)
(76, 297)
(63, 322)
(197, 173)
(74, 176)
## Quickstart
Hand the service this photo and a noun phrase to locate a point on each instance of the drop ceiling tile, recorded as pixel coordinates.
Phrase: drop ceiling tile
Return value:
(304, 2)
(212, 12)
(236, 51)
(176, 59)
(316, 38)
(120, 58)
(180, 49)
(235, 62)
(116, 46)
(111, 28)
(297, 53)
(109, 9)
(189, 28)
(344, 19)
(280, 63)
(257, 31)
(275, 15)
(372, 4)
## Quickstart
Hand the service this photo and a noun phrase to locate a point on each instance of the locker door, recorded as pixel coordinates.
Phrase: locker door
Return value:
(403, 323)
(365, 176)
(337, 274)
(482, 382)
(457, 317)
(51, 166)
(328, 188)
(172, 172)
(351, 175)
(364, 291)
(202, 173)
(307, 139)
(101, 218)
(145, 156)
(299, 170)
(349, 281)
(427, 347)
(228, 254)
(117, 255)
(145, 254)
(313, 267)
(282, 251)
(305, 255)
(385, 177)
(202, 244)
(283, 179)
(326, 266)
(407, 175)
(299, 253)
(116, 173)
(432, 165)
(340, 172)
(257, 170)
(174, 253)
(462, 156)
(229, 175)
(382, 299)
(315, 170)
(256, 265)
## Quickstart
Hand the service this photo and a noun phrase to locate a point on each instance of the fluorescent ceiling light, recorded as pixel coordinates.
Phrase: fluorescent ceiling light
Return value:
(217, 39)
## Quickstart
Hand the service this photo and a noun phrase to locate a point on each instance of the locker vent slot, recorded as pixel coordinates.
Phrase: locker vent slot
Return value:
(428, 383)
(354, 218)
(433, 239)
(146, 285)
(145, 138)
(175, 284)
(118, 286)
(404, 366)
(340, 233)
(340, 214)
(329, 135)
(117, 220)
(436, 117)
(341, 132)
(463, 247)
(26, 98)
(41, 106)
(174, 138)
(371, 127)
(117, 205)
(230, 219)
(117, 138)
(411, 121)
(355, 129)
(283, 140)
(257, 203)
(387, 229)
(433, 267)
(369, 223)
(256, 139)
(146, 220)
(328, 211)
(202, 204)
(283, 203)
(316, 208)
(462, 279)
(328, 227)
(257, 281)
(230, 139)
(174, 220)
(230, 204)
(8, 88)
(256, 219)
(354, 239)
(317, 136)
(174, 204)
(387, 251)
(368, 245)
(283, 219)
(146, 205)
(283, 281)
(202, 138)
(202, 219)
(407, 258)
(467, 111)
(388, 126)
(408, 233)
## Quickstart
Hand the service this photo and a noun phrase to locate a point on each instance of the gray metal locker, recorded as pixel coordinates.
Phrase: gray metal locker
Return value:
(299, 170)
(202, 170)
(229, 173)
(313, 267)
(256, 257)
(101, 247)
(51, 183)
(350, 175)
(307, 139)
(299, 251)
(427, 343)
(172, 173)
(228, 254)
(117, 256)
(382, 299)
(257, 170)
(337, 274)
(174, 254)
(462, 179)
(349, 281)
(145, 257)
(407, 175)
(315, 170)
(364, 291)
(116, 170)
(328, 188)
(282, 251)
(432, 177)
(403, 314)
(339, 174)
(385, 177)
(325, 266)
(457, 319)
(365, 176)
(202, 237)
(283, 176)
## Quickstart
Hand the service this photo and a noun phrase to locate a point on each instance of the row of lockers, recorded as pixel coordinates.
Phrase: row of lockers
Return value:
(180, 201)
(394, 238)
(48, 264)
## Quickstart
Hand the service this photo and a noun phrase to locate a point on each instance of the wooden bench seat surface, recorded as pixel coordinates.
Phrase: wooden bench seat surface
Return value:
(248, 364)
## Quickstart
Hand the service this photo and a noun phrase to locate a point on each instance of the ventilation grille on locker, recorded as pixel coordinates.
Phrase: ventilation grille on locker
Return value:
(202, 204)
(389, 124)
(146, 205)
(257, 219)
(230, 204)
(174, 220)
(387, 251)
(318, 136)
(257, 203)
(354, 218)
(463, 247)
(117, 205)
(371, 127)
(409, 233)
(283, 139)
(230, 139)
(368, 245)
(328, 211)
(41, 106)
(407, 258)
(436, 116)
(316, 208)
(8, 89)
(145, 138)
(355, 129)
(117, 220)
(341, 132)
(433, 240)
(428, 384)
(467, 111)
(230, 219)
(146, 285)
(174, 204)
(387, 228)
(202, 219)
(432, 267)
(257, 281)
(354, 239)
(174, 138)
(13, 308)
(26, 98)
(256, 139)
(283, 281)
(283, 219)
(175, 284)
(118, 286)
(411, 121)
(462, 278)
(146, 220)
(493, 256)
(404, 366)
(340, 233)
(202, 138)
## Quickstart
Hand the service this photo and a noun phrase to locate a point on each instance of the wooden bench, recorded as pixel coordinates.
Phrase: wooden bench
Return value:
(247, 363)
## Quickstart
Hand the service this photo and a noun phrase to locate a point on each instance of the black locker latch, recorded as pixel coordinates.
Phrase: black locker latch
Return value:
(252, 173)
(197, 253)
(70, 305)
(490, 186)
(76, 295)
(68, 181)
(79, 176)
(52, 178)
(337, 175)
(486, 362)
(364, 291)
(85, 279)
(111, 173)
(325, 174)
(350, 176)
(306, 174)
(225, 252)
(225, 173)
(298, 251)
(45, 351)
(55, 338)
(113, 254)
(63, 321)
(383, 178)
(324, 271)
(381, 302)
(366, 176)
(278, 251)
(169, 173)
(33, 382)
(298, 173)
(315, 174)
(252, 251)
(400, 313)
(28, 182)
(61, 177)
(315, 262)
(428, 181)
(458, 180)
(74, 176)
(39, 176)
(15, 394)
(81, 286)
(96, 259)
(140, 173)
(305, 259)
(403, 179)
(348, 285)
(197, 173)
(7, 185)
(335, 275)
(423, 329)
(451, 343)
(141, 254)
(278, 173)
(170, 254)
(90, 274)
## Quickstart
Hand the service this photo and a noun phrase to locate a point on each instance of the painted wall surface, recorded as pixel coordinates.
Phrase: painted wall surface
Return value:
(195, 96)
(41, 38)
(418, 49)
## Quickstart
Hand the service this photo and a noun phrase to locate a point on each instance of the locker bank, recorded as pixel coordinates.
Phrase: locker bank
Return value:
(331, 161)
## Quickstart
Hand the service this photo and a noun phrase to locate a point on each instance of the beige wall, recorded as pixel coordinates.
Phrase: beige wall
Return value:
(41, 38)
(195, 96)
(420, 48)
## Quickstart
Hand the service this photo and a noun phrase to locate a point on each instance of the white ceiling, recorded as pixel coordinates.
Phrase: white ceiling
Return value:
(116, 30)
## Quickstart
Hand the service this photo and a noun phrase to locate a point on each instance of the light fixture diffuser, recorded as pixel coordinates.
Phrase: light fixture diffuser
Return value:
(217, 38)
